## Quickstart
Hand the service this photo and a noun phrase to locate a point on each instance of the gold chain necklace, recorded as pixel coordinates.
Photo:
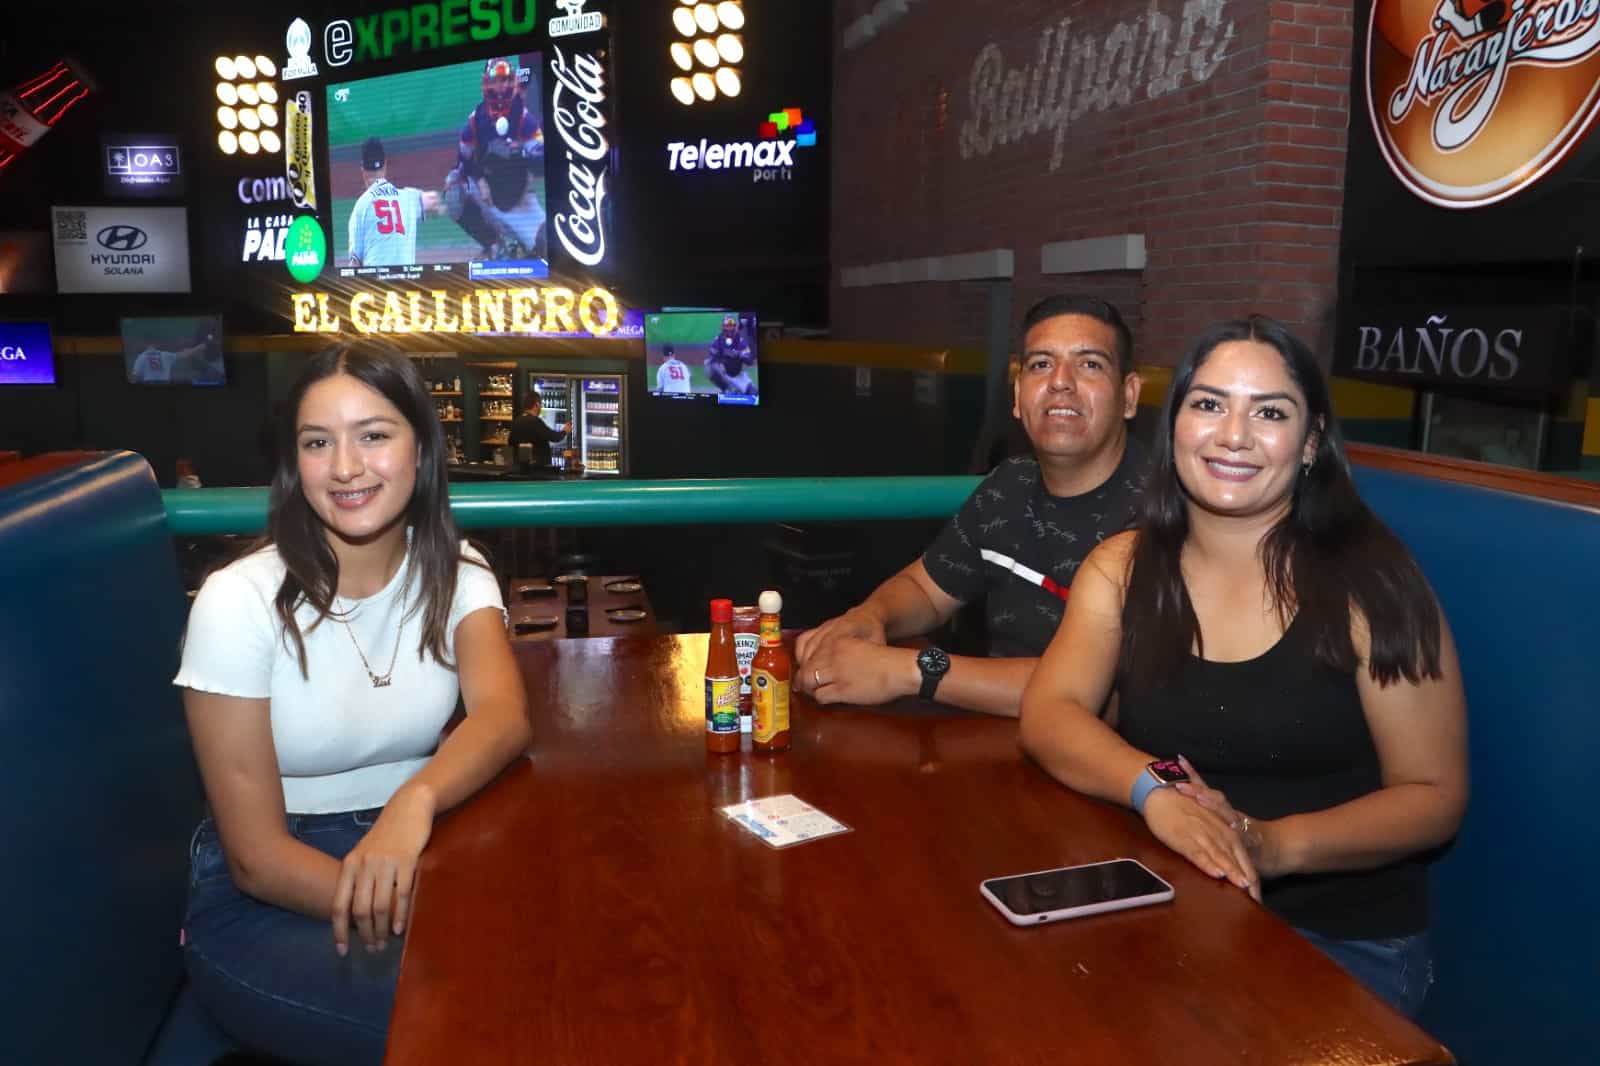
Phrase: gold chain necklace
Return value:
(380, 680)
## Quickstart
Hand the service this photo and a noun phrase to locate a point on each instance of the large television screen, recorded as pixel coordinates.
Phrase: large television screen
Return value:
(27, 356)
(440, 170)
(173, 350)
(703, 354)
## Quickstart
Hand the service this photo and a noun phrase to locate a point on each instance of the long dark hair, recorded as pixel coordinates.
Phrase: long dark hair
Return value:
(1329, 553)
(311, 570)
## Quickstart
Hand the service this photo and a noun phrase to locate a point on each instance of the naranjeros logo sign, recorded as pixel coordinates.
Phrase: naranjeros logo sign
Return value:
(1473, 101)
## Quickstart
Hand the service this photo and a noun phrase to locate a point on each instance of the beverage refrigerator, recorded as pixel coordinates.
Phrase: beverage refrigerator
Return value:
(592, 410)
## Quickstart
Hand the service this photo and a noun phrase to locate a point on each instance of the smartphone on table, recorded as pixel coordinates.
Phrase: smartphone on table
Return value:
(1075, 891)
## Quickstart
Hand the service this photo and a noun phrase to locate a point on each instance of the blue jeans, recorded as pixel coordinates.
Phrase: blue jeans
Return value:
(270, 977)
(1398, 970)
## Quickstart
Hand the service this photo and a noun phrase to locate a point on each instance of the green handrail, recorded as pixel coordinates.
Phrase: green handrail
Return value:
(716, 501)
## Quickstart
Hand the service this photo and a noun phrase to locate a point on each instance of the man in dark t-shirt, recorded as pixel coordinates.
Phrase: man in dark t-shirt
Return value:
(529, 428)
(1018, 539)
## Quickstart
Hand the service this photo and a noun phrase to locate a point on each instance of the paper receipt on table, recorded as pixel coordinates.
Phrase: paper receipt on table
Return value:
(780, 821)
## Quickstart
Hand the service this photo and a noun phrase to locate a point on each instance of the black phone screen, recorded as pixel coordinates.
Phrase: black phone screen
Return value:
(1075, 886)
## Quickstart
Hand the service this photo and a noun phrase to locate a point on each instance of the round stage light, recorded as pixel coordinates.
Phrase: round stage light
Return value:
(266, 67)
(682, 56)
(247, 95)
(731, 14)
(225, 69)
(706, 52)
(268, 92)
(730, 47)
(269, 114)
(705, 16)
(227, 93)
(704, 87)
(245, 66)
(728, 81)
(227, 142)
(270, 142)
(248, 143)
(226, 118)
(683, 90)
(249, 119)
(683, 19)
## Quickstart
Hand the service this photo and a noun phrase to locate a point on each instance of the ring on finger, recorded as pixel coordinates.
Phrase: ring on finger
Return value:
(816, 675)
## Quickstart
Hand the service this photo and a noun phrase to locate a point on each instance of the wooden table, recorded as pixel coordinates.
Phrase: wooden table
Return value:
(601, 599)
(592, 907)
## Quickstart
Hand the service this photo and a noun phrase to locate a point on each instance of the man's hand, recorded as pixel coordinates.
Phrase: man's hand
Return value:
(852, 670)
(856, 623)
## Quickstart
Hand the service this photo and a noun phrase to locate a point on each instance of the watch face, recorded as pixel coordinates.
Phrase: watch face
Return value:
(1170, 771)
(933, 661)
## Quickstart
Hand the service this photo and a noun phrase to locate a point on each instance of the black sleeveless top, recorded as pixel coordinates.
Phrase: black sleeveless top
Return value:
(1282, 734)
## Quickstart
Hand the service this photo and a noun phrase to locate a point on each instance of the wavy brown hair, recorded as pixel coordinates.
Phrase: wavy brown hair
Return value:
(311, 570)
(1329, 554)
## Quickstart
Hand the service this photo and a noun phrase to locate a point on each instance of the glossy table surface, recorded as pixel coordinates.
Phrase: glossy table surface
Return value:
(601, 602)
(592, 906)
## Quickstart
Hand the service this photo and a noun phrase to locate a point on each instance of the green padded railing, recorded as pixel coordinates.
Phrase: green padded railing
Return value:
(488, 505)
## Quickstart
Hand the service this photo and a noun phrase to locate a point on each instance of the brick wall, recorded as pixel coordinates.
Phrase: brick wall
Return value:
(1216, 128)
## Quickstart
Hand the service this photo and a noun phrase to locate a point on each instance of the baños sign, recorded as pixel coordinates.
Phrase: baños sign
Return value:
(1522, 349)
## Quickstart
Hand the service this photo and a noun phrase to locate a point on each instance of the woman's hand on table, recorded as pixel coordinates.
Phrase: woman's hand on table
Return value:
(1203, 837)
(1257, 833)
(377, 877)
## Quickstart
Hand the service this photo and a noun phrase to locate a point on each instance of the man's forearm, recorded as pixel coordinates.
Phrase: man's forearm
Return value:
(993, 686)
(902, 607)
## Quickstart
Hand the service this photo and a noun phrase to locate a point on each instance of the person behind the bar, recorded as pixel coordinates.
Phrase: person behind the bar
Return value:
(1017, 540)
(1267, 633)
(318, 672)
(529, 428)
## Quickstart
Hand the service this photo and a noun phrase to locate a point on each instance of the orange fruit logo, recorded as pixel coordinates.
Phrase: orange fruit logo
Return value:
(1474, 101)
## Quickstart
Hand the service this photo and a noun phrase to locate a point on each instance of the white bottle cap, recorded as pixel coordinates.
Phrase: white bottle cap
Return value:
(770, 602)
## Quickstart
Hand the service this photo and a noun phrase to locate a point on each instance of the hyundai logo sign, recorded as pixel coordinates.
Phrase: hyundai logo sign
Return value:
(122, 238)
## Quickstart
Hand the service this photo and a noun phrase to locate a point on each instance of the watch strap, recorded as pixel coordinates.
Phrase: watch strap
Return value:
(1143, 785)
(930, 679)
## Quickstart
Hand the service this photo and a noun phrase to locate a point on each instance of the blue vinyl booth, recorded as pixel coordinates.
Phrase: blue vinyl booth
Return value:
(102, 794)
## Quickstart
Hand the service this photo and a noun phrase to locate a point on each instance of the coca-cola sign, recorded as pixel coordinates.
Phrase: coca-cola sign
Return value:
(578, 108)
(1474, 101)
(1524, 349)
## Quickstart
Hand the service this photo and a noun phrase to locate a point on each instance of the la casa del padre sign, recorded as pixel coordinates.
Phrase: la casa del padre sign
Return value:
(1475, 101)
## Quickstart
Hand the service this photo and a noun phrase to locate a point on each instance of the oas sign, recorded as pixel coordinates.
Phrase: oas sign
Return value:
(1473, 101)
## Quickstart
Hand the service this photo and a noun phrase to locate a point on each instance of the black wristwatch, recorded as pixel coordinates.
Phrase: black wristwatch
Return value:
(934, 664)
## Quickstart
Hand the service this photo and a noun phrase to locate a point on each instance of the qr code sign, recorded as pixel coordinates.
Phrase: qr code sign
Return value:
(72, 225)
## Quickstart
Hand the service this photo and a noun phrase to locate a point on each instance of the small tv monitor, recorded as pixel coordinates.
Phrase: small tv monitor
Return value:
(173, 350)
(440, 171)
(27, 354)
(708, 355)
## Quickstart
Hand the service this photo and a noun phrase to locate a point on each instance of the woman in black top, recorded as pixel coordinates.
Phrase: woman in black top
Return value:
(1263, 624)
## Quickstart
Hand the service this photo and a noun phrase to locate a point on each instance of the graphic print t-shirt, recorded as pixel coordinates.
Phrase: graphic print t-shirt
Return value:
(383, 225)
(1021, 547)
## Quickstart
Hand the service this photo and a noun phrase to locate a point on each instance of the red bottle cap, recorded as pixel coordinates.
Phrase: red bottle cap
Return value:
(721, 611)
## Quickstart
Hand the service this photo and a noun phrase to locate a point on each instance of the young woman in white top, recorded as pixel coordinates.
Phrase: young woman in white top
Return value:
(318, 671)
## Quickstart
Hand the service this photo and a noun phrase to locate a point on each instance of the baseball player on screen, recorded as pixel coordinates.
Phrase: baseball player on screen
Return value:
(155, 366)
(673, 374)
(490, 191)
(729, 358)
(383, 224)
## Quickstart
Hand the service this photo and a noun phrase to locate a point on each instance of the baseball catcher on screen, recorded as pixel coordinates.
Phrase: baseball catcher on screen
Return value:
(489, 193)
(729, 358)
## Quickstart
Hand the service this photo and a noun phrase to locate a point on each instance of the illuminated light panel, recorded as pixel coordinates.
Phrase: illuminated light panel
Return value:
(227, 118)
(269, 114)
(706, 52)
(704, 87)
(227, 142)
(245, 66)
(247, 95)
(268, 92)
(730, 47)
(225, 69)
(249, 143)
(682, 56)
(728, 81)
(682, 90)
(266, 67)
(227, 93)
(731, 15)
(683, 20)
(270, 142)
(249, 119)
(705, 16)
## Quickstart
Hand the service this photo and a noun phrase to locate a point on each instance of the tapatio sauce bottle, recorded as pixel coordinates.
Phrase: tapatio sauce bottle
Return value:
(722, 682)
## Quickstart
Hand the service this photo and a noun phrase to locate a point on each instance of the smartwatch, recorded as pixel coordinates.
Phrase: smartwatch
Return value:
(1162, 773)
(934, 664)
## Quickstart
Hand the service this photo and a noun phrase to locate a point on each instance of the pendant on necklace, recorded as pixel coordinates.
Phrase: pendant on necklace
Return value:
(378, 682)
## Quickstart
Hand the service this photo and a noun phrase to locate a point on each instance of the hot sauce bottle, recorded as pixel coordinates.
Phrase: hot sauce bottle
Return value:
(722, 682)
(769, 678)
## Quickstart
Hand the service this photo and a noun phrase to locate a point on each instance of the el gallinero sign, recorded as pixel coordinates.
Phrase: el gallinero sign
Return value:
(1474, 101)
